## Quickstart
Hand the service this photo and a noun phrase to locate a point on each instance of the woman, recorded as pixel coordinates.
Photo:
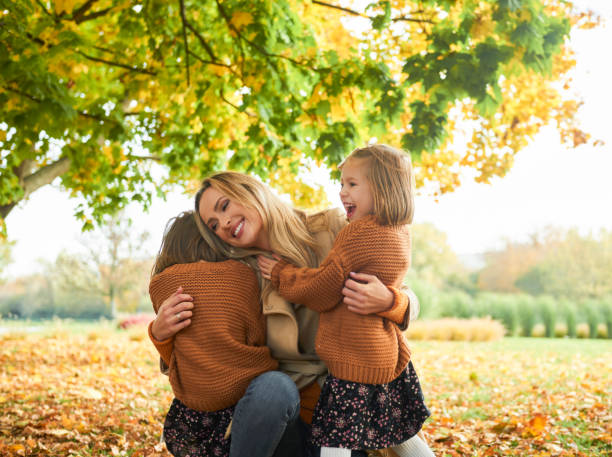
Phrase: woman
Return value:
(249, 218)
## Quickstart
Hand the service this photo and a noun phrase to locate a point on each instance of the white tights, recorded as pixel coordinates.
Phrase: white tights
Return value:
(414, 447)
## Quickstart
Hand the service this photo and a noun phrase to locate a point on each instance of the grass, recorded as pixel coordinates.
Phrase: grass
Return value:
(84, 388)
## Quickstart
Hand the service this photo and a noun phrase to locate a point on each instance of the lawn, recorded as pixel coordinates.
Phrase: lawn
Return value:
(88, 389)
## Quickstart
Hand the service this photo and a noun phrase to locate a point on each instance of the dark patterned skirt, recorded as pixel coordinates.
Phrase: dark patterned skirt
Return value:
(352, 415)
(191, 433)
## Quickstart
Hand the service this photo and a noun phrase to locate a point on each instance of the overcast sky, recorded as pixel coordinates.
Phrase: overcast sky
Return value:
(548, 185)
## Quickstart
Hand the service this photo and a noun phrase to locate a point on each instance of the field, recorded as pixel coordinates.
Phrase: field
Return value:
(68, 389)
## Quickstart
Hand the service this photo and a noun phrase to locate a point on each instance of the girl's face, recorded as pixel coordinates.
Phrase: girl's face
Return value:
(235, 224)
(355, 191)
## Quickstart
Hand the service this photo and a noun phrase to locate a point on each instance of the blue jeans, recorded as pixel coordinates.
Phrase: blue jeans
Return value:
(267, 417)
(267, 421)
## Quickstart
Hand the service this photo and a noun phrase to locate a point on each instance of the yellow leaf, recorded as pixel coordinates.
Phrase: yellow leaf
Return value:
(241, 19)
(196, 125)
(536, 424)
(18, 448)
(59, 6)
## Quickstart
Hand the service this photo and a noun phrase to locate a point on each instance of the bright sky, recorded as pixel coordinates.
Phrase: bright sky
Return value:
(548, 185)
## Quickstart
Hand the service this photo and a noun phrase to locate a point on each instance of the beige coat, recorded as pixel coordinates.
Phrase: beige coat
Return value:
(291, 329)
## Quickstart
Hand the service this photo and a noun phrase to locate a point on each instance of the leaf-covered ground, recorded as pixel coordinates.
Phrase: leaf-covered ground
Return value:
(97, 391)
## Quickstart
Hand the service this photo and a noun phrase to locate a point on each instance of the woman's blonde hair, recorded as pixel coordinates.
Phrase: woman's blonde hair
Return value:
(389, 173)
(284, 225)
(182, 243)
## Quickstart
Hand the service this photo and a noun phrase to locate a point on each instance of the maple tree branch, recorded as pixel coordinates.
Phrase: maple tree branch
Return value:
(44, 8)
(205, 45)
(218, 64)
(117, 64)
(256, 46)
(36, 180)
(341, 8)
(80, 113)
(137, 157)
(411, 19)
(237, 108)
(45, 175)
(91, 16)
(182, 6)
(80, 12)
(357, 13)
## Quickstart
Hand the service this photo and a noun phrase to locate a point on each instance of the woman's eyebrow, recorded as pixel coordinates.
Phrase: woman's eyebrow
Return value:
(216, 208)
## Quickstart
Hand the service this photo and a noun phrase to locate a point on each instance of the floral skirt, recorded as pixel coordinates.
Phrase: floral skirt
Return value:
(191, 433)
(353, 415)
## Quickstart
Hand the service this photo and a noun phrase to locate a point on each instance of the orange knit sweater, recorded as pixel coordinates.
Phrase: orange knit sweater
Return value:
(366, 349)
(216, 357)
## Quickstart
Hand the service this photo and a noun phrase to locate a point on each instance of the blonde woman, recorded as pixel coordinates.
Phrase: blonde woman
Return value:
(246, 218)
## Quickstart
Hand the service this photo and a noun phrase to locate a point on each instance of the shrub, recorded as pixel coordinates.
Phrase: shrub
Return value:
(538, 331)
(504, 309)
(454, 329)
(526, 314)
(602, 331)
(583, 330)
(546, 312)
(567, 313)
(456, 304)
(560, 330)
(606, 313)
(591, 310)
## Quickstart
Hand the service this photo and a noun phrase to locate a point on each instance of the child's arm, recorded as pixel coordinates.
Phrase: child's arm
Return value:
(320, 288)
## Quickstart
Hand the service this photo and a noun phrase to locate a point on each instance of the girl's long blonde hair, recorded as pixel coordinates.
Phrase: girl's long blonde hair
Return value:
(389, 174)
(285, 226)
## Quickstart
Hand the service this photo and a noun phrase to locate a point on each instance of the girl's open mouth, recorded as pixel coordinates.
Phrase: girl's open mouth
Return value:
(350, 210)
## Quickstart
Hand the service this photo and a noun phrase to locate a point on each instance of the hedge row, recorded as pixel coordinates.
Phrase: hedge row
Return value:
(525, 315)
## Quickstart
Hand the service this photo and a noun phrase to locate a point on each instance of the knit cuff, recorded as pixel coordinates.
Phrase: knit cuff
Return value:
(164, 347)
(275, 275)
(400, 310)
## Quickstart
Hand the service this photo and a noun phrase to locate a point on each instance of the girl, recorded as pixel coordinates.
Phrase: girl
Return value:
(222, 351)
(244, 217)
(372, 398)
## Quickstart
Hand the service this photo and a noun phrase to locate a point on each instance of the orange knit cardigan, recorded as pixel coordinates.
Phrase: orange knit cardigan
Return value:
(367, 349)
(216, 357)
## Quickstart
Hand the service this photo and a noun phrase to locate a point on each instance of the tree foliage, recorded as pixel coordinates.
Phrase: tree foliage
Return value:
(95, 91)
(433, 260)
(561, 263)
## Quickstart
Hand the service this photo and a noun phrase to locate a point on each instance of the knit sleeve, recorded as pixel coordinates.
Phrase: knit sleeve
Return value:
(399, 312)
(320, 289)
(164, 347)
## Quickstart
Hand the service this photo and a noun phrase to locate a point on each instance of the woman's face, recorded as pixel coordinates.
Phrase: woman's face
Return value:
(235, 224)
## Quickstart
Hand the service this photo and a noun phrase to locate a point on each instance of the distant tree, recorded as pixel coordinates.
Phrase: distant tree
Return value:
(95, 91)
(556, 262)
(433, 260)
(504, 267)
(113, 265)
(5, 255)
(573, 266)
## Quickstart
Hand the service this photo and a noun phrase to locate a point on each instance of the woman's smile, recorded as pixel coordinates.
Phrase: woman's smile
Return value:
(234, 223)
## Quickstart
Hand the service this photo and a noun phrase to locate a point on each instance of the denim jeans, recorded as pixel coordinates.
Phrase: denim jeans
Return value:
(267, 421)
(267, 417)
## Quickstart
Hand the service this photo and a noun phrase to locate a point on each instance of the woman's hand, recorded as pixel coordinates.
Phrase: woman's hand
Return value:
(366, 294)
(173, 315)
(266, 265)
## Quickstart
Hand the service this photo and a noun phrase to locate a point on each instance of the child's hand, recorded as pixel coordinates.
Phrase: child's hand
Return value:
(266, 265)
